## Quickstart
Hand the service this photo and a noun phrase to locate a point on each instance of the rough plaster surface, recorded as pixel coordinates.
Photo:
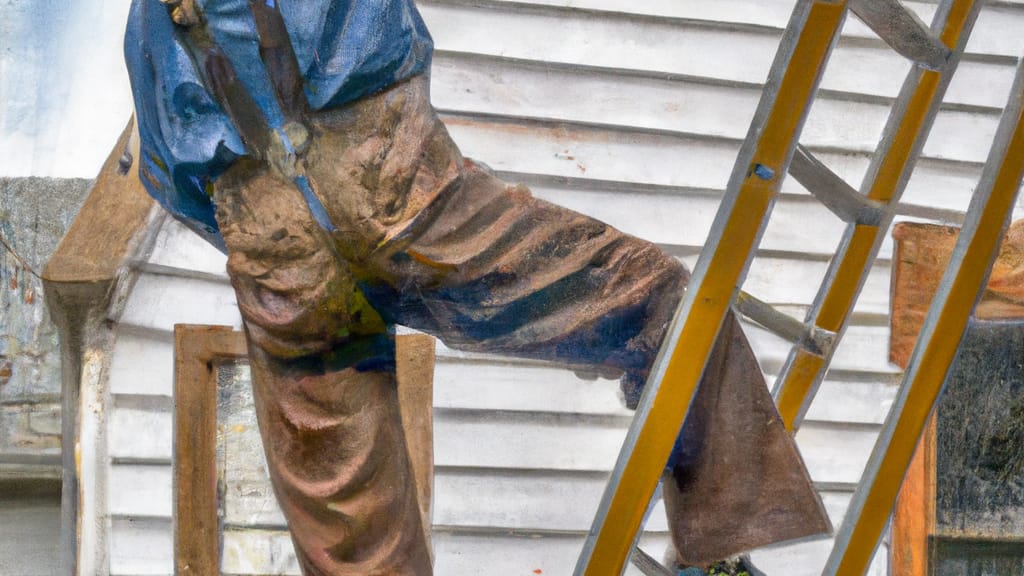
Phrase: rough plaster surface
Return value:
(34, 215)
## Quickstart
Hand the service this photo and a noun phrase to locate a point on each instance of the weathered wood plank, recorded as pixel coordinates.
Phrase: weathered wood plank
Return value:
(414, 371)
(197, 349)
(913, 519)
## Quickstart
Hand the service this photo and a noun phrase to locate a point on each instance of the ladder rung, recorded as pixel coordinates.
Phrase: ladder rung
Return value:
(814, 340)
(833, 191)
(903, 31)
(649, 566)
(905, 133)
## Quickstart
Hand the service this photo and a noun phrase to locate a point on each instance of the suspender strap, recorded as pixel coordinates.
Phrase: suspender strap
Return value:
(278, 57)
(281, 146)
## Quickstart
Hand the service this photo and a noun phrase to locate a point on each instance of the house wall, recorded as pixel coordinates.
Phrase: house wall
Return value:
(632, 112)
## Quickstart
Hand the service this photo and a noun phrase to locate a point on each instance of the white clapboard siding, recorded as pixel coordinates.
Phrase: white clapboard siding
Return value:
(631, 112)
(515, 440)
(142, 547)
(618, 40)
(516, 89)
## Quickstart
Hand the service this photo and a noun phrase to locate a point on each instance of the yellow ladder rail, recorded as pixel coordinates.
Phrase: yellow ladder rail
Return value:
(987, 218)
(753, 187)
(768, 154)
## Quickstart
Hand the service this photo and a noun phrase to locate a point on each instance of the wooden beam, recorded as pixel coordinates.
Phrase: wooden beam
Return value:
(105, 232)
(415, 374)
(197, 352)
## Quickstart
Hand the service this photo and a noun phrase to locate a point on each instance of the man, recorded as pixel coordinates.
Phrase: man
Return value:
(300, 139)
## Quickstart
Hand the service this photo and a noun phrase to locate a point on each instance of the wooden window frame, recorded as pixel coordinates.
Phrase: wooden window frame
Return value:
(199, 351)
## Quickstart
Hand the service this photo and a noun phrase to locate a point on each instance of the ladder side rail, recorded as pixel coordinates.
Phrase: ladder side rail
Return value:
(905, 135)
(989, 215)
(756, 179)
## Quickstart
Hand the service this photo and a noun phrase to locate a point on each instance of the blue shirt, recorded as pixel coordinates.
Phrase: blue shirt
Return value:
(346, 49)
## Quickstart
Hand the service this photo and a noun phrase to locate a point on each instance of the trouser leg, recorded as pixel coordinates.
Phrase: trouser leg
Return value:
(486, 267)
(431, 241)
(324, 384)
(551, 284)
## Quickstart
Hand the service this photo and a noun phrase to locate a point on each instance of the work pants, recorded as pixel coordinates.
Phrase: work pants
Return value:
(427, 239)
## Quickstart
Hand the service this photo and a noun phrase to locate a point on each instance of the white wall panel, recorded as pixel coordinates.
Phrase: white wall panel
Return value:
(631, 112)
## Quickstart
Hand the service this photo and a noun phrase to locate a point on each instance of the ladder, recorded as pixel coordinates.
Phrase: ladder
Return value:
(768, 153)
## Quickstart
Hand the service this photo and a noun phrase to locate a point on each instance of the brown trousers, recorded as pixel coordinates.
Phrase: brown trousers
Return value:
(432, 241)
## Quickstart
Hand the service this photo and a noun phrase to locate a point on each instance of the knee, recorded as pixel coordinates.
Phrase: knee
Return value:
(295, 295)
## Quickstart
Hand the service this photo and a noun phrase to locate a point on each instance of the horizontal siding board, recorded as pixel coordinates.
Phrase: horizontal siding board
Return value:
(468, 385)
(862, 349)
(791, 281)
(686, 220)
(159, 301)
(574, 151)
(998, 31)
(262, 552)
(141, 547)
(140, 434)
(853, 402)
(142, 363)
(808, 559)
(180, 249)
(251, 553)
(513, 89)
(533, 441)
(603, 40)
(691, 48)
(835, 453)
(760, 12)
(258, 552)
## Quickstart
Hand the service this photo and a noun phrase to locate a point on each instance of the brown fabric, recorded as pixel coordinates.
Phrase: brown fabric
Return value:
(337, 459)
(744, 484)
(432, 241)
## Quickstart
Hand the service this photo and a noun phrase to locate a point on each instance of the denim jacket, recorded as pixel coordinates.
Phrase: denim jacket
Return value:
(346, 49)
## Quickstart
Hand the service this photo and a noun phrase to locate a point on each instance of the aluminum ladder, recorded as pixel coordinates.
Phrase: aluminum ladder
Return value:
(769, 152)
